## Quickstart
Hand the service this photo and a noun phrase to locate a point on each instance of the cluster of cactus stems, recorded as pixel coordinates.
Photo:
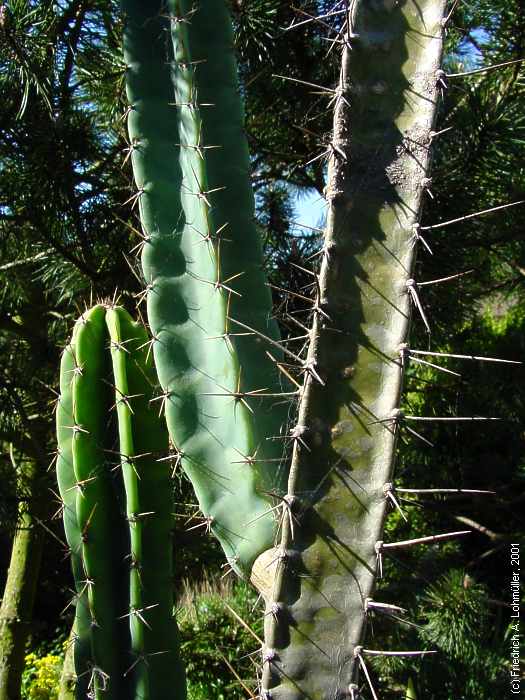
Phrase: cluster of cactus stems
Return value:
(291, 457)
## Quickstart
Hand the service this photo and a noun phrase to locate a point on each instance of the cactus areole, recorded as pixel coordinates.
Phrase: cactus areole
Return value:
(306, 528)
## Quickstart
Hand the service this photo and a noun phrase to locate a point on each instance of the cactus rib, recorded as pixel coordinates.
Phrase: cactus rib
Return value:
(68, 493)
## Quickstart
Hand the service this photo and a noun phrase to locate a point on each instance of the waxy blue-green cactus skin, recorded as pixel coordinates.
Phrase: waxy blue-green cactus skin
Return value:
(68, 492)
(94, 512)
(115, 482)
(202, 263)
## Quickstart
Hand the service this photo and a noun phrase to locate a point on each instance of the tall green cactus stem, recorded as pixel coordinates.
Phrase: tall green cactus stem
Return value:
(325, 567)
(128, 646)
(143, 441)
(202, 264)
(85, 363)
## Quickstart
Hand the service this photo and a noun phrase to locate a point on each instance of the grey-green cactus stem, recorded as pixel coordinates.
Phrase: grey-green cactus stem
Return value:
(325, 567)
(202, 264)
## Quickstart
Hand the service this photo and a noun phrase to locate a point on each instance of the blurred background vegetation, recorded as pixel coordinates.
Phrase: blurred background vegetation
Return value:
(67, 237)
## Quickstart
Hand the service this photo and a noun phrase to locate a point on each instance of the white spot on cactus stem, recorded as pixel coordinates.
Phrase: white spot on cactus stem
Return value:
(440, 76)
(353, 689)
(298, 432)
(397, 414)
(404, 352)
(389, 491)
(102, 676)
(378, 547)
(291, 500)
(182, 18)
(411, 286)
(274, 609)
(77, 429)
(76, 371)
(379, 88)
(269, 656)
(416, 236)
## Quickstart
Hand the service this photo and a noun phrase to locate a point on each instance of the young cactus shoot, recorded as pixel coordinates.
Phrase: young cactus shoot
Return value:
(115, 483)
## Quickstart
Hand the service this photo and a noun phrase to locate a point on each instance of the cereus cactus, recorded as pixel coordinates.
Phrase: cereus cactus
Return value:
(208, 307)
(114, 480)
(313, 543)
(349, 417)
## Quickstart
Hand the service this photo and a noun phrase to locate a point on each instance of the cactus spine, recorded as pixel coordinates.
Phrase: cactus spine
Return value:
(122, 564)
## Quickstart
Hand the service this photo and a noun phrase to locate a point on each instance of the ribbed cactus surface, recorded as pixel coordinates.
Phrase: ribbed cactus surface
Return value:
(201, 259)
(114, 480)
(327, 561)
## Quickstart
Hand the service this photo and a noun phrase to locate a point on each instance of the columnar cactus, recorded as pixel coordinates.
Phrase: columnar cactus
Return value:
(111, 461)
(208, 306)
(309, 533)
(349, 419)
(204, 285)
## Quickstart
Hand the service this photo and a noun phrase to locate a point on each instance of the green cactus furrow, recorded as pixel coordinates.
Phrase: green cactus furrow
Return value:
(126, 640)
(205, 369)
(325, 568)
